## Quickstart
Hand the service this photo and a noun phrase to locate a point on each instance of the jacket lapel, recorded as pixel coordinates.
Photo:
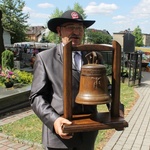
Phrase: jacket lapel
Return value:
(59, 55)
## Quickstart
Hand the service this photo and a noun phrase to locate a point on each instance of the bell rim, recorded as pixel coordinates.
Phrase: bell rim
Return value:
(93, 100)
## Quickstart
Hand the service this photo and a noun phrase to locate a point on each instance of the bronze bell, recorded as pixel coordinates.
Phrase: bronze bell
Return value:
(93, 85)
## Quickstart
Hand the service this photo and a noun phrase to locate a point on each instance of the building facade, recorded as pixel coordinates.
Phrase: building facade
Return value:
(146, 39)
(34, 33)
(119, 37)
(6, 38)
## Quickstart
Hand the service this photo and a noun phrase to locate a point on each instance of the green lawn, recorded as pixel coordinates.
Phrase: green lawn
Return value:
(29, 128)
(128, 97)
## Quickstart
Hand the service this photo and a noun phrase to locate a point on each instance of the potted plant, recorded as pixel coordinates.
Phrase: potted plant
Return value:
(7, 77)
(7, 59)
(15, 76)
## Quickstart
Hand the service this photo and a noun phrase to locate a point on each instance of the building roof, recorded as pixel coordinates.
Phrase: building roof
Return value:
(36, 30)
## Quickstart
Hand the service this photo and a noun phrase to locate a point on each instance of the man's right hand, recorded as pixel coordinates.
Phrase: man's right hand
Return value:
(58, 124)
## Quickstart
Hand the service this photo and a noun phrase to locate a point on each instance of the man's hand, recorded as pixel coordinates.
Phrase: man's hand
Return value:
(58, 127)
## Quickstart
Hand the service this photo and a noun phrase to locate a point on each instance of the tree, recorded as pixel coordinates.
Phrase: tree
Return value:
(1, 37)
(138, 36)
(98, 37)
(52, 37)
(56, 13)
(14, 19)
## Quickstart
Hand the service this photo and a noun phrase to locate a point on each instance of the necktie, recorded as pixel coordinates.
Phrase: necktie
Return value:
(77, 60)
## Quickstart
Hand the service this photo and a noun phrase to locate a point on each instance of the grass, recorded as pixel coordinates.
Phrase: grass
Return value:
(29, 128)
(128, 98)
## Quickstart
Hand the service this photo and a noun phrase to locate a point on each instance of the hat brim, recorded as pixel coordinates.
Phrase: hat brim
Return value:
(55, 22)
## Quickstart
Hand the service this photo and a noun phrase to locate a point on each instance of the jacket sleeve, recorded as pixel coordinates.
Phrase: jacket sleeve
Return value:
(41, 95)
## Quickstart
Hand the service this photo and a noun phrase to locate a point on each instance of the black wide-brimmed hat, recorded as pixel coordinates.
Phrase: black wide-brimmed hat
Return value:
(68, 16)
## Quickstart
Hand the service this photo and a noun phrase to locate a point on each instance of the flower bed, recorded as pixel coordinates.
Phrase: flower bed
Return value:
(15, 97)
(14, 76)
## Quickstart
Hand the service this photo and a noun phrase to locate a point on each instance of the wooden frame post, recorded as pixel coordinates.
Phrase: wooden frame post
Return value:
(67, 80)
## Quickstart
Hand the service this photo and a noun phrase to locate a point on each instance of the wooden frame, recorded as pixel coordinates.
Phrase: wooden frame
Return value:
(101, 120)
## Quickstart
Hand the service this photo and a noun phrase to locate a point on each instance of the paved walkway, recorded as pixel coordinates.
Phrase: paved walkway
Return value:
(11, 143)
(135, 137)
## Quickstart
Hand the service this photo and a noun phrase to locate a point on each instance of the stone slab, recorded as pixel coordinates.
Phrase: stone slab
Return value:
(14, 98)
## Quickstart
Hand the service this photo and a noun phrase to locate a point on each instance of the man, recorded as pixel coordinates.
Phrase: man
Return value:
(47, 88)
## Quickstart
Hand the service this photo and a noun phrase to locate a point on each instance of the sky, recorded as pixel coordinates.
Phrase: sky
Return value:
(111, 15)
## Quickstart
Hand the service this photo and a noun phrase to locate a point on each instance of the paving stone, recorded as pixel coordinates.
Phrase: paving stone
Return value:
(137, 135)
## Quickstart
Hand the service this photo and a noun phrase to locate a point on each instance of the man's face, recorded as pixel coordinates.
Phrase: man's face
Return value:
(71, 31)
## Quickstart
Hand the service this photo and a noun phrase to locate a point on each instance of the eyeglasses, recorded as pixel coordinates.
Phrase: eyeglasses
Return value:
(71, 28)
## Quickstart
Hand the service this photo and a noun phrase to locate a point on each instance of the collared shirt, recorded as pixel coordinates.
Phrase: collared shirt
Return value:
(76, 59)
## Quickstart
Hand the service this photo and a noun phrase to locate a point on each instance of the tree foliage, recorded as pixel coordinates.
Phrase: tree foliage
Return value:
(14, 19)
(53, 37)
(98, 37)
(138, 36)
(56, 13)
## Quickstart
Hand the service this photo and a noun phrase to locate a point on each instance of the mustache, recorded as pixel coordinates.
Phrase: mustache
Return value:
(74, 36)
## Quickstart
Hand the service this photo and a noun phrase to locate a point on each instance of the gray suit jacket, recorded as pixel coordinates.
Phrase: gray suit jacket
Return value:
(46, 96)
